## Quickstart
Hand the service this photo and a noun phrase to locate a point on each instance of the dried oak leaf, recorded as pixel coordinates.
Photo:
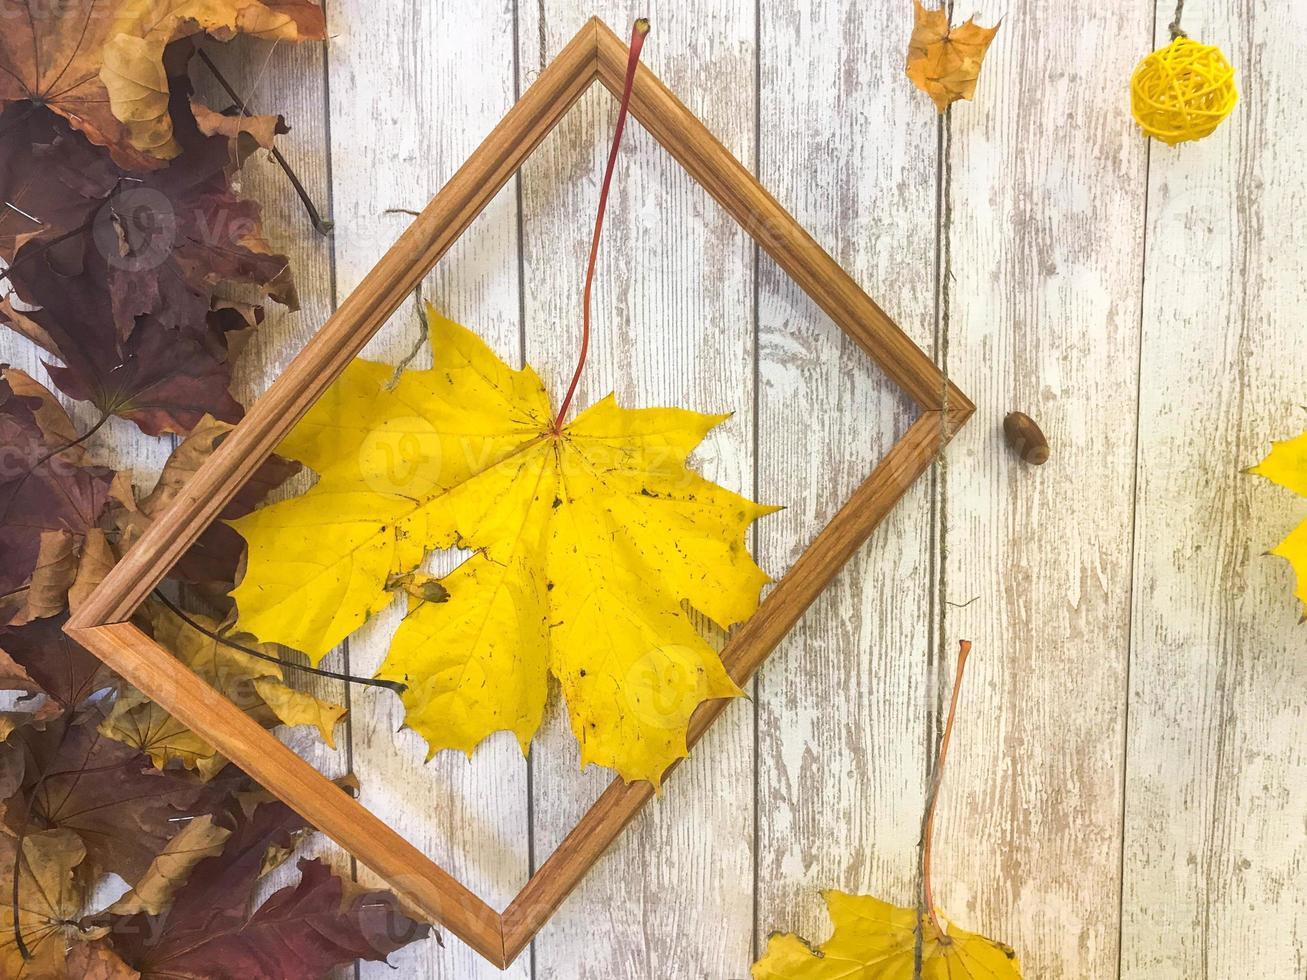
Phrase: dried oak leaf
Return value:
(37, 929)
(50, 498)
(874, 940)
(589, 540)
(99, 63)
(945, 62)
(299, 933)
(1286, 465)
(255, 686)
(121, 288)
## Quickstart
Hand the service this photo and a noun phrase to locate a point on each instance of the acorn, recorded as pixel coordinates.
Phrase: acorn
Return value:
(1026, 438)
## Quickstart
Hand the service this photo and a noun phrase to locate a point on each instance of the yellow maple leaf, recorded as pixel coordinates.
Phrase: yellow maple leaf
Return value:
(945, 62)
(1286, 464)
(874, 940)
(588, 540)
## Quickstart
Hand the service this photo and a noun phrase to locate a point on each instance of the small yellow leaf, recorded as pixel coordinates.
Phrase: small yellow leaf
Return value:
(590, 543)
(254, 685)
(1286, 464)
(945, 62)
(294, 707)
(874, 940)
(137, 721)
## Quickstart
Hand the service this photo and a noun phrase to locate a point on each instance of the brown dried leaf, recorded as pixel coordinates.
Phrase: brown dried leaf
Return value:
(945, 62)
(199, 839)
(99, 63)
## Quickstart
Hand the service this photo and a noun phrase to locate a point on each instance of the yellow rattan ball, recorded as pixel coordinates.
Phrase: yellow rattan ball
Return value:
(1182, 91)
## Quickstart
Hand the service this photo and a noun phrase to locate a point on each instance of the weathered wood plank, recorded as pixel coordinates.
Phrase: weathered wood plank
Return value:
(673, 324)
(842, 705)
(413, 91)
(1215, 854)
(289, 80)
(1043, 234)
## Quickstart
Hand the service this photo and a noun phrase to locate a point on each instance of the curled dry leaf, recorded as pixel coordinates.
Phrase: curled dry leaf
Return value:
(255, 686)
(170, 870)
(589, 536)
(945, 62)
(99, 63)
(240, 129)
(50, 498)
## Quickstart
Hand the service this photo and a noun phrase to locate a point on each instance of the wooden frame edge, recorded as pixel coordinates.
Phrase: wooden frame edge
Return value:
(101, 624)
(499, 156)
(415, 877)
(746, 651)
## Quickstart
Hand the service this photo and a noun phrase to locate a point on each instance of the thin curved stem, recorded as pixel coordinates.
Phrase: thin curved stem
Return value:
(639, 32)
(395, 686)
(323, 226)
(928, 830)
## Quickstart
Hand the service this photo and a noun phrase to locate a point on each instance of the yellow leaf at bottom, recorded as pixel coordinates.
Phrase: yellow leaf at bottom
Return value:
(874, 940)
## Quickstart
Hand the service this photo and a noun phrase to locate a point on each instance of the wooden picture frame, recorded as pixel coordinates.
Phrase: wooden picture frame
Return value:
(102, 624)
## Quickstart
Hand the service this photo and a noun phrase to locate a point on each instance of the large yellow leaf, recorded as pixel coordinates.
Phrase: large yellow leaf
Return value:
(874, 940)
(589, 541)
(1287, 465)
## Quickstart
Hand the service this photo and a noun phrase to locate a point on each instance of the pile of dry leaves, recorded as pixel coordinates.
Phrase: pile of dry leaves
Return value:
(120, 236)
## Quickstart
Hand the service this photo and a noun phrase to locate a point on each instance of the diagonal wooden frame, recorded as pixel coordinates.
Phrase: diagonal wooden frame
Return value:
(102, 624)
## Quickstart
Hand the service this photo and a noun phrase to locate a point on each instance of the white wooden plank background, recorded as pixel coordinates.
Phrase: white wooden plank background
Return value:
(1128, 795)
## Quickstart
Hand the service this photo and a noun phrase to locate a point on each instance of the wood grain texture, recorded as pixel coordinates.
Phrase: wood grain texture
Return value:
(402, 124)
(1047, 258)
(842, 706)
(1043, 209)
(589, 54)
(289, 79)
(672, 325)
(1216, 790)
